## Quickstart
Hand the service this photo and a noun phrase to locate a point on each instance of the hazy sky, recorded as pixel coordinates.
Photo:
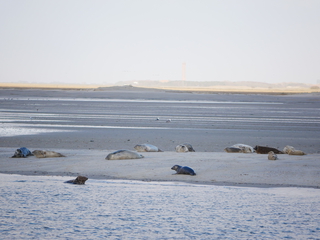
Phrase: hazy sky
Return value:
(106, 41)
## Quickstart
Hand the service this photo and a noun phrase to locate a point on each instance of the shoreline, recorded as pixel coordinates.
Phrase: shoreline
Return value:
(103, 177)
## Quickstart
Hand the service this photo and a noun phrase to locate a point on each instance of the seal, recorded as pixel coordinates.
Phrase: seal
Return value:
(245, 148)
(123, 154)
(232, 150)
(46, 154)
(79, 180)
(292, 151)
(22, 152)
(185, 147)
(147, 148)
(266, 150)
(272, 156)
(183, 170)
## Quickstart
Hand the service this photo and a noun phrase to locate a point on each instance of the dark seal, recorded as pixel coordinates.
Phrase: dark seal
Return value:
(79, 180)
(22, 153)
(266, 150)
(183, 170)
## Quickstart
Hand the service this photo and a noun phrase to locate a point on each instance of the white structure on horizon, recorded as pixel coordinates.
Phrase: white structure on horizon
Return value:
(184, 71)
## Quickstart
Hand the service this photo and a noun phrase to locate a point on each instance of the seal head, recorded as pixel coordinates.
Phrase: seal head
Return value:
(272, 156)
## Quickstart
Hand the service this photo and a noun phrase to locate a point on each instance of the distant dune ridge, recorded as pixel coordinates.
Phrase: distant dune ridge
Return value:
(201, 86)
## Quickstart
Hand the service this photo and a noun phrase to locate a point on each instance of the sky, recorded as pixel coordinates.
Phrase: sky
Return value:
(107, 41)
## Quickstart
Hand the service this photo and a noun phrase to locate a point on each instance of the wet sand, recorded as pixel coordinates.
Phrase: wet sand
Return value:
(87, 125)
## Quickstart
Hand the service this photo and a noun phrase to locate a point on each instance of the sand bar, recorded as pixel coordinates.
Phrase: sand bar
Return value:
(219, 168)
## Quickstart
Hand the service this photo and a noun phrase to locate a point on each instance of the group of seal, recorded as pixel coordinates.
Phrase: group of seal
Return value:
(24, 152)
(127, 154)
(272, 152)
(146, 147)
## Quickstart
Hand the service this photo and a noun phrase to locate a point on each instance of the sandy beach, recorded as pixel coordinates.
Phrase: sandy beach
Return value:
(87, 125)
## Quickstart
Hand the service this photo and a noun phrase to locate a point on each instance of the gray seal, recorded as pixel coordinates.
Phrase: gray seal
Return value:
(22, 152)
(266, 150)
(292, 151)
(123, 154)
(79, 180)
(272, 156)
(244, 148)
(232, 150)
(185, 147)
(183, 170)
(147, 148)
(46, 154)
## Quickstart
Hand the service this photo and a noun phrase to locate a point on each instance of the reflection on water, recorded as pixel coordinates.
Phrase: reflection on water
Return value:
(22, 129)
(44, 207)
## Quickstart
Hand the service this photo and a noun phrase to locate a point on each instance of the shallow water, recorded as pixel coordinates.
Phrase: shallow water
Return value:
(122, 119)
(44, 207)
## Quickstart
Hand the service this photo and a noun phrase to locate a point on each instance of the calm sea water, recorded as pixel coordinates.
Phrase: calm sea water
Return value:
(44, 207)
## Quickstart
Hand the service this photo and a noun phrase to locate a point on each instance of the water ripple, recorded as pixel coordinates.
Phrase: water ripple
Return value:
(46, 208)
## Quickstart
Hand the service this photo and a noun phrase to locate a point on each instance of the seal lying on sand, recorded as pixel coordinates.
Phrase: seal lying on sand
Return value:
(272, 156)
(46, 154)
(245, 148)
(232, 150)
(78, 180)
(185, 147)
(22, 153)
(123, 154)
(183, 170)
(147, 148)
(266, 150)
(292, 151)
(239, 148)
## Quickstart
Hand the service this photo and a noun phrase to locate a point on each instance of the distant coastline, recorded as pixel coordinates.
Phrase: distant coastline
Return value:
(183, 86)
